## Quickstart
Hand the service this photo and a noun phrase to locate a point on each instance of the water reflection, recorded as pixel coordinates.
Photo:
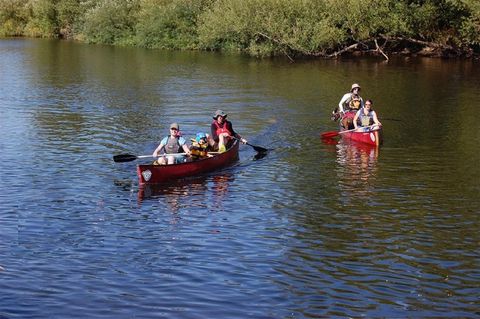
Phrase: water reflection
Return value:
(356, 167)
(193, 192)
(359, 159)
(330, 230)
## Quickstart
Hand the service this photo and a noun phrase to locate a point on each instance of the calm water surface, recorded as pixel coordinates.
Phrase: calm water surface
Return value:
(311, 230)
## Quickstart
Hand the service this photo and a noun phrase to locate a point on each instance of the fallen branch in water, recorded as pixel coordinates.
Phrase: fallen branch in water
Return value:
(349, 48)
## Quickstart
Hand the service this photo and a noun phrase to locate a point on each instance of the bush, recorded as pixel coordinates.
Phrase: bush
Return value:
(69, 15)
(170, 24)
(258, 27)
(269, 27)
(43, 19)
(13, 17)
(111, 22)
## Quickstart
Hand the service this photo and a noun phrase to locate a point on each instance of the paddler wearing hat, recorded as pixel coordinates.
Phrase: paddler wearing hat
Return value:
(350, 103)
(222, 131)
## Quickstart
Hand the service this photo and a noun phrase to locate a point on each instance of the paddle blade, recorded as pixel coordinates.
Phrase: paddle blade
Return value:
(330, 134)
(124, 158)
(258, 149)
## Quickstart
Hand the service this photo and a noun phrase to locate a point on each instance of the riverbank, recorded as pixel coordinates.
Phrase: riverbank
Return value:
(259, 28)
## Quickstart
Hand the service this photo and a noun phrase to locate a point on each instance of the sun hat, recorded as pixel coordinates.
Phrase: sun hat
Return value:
(355, 86)
(219, 113)
(174, 125)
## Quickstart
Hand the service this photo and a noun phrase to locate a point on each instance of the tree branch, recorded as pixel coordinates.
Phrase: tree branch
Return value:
(280, 43)
(380, 50)
(350, 47)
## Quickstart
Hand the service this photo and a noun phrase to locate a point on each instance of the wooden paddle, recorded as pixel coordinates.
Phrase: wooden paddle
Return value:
(129, 157)
(332, 134)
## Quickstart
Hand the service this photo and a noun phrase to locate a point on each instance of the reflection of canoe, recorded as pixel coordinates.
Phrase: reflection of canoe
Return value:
(217, 185)
(153, 174)
(371, 137)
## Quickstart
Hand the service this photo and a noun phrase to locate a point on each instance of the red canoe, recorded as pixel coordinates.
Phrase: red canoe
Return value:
(371, 137)
(153, 174)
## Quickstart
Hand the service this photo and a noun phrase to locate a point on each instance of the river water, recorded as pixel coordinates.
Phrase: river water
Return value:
(311, 230)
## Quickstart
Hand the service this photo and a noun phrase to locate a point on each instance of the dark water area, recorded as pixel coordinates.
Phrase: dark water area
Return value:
(311, 230)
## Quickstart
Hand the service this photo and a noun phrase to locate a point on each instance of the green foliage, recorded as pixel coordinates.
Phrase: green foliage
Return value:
(69, 13)
(470, 23)
(269, 27)
(43, 19)
(366, 19)
(258, 27)
(169, 24)
(111, 22)
(13, 17)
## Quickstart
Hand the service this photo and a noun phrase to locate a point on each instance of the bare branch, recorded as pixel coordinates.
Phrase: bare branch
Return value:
(350, 47)
(380, 50)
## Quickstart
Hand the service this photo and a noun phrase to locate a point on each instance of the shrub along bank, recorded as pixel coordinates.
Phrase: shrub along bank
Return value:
(292, 28)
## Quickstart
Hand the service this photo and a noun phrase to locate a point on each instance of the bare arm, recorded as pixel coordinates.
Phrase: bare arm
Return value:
(355, 118)
(235, 134)
(158, 149)
(375, 118)
(186, 149)
(342, 101)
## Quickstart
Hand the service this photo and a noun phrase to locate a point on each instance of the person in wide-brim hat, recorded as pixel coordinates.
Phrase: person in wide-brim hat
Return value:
(219, 113)
(355, 86)
(222, 131)
(348, 106)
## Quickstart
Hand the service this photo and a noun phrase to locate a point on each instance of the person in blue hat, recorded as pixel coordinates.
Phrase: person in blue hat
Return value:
(222, 131)
(202, 144)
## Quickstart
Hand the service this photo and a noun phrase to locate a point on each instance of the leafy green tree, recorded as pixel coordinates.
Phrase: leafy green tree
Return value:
(42, 19)
(259, 27)
(111, 22)
(69, 14)
(170, 23)
(13, 17)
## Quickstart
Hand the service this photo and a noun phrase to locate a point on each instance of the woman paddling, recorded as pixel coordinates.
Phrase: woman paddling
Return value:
(366, 116)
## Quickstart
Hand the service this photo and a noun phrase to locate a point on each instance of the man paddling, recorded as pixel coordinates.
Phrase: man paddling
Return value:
(350, 103)
(172, 144)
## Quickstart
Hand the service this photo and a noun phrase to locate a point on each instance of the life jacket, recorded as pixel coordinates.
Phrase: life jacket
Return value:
(173, 145)
(353, 103)
(198, 150)
(365, 119)
(219, 129)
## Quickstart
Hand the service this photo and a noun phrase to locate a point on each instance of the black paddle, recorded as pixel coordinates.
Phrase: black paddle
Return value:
(257, 149)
